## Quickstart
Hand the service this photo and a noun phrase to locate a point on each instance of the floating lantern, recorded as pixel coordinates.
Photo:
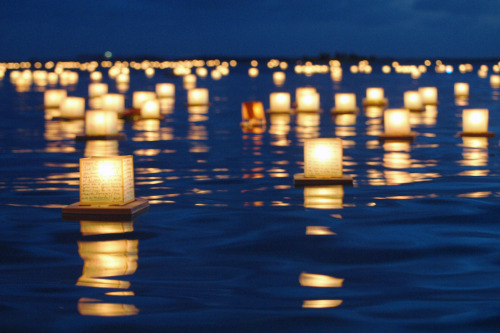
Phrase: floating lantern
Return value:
(253, 72)
(72, 108)
(324, 197)
(279, 102)
(475, 123)
(189, 81)
(197, 96)
(151, 109)
(279, 78)
(140, 97)
(308, 101)
(461, 90)
(215, 74)
(52, 78)
(345, 103)
(115, 102)
(106, 189)
(150, 72)
(95, 76)
(495, 81)
(53, 97)
(122, 79)
(413, 101)
(201, 71)
(165, 90)
(375, 97)
(397, 125)
(101, 125)
(97, 89)
(322, 163)
(429, 95)
(252, 114)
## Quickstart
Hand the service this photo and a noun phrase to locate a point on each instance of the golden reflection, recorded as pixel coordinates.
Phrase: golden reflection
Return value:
(345, 125)
(89, 228)
(93, 307)
(475, 142)
(324, 197)
(374, 111)
(63, 130)
(397, 155)
(101, 148)
(279, 128)
(166, 105)
(318, 231)
(151, 130)
(319, 281)
(461, 101)
(307, 125)
(321, 303)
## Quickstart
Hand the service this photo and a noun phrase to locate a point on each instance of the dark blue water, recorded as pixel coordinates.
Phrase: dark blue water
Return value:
(229, 244)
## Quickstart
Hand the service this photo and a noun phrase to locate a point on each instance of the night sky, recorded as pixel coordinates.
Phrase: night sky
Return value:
(54, 29)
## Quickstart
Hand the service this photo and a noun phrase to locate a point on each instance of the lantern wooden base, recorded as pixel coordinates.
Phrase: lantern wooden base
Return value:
(197, 104)
(279, 111)
(481, 135)
(125, 212)
(161, 117)
(408, 137)
(300, 180)
(337, 111)
(462, 96)
(381, 103)
(85, 137)
(431, 104)
(68, 118)
(309, 111)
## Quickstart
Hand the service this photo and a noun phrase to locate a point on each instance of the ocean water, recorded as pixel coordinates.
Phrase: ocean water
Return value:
(229, 244)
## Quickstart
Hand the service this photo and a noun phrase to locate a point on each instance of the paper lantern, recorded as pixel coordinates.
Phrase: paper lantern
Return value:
(253, 72)
(475, 123)
(397, 125)
(53, 97)
(97, 89)
(165, 90)
(413, 101)
(279, 102)
(324, 197)
(252, 113)
(139, 97)
(197, 96)
(279, 78)
(322, 163)
(52, 78)
(151, 109)
(95, 76)
(374, 97)
(345, 103)
(122, 78)
(72, 108)
(101, 122)
(461, 90)
(495, 81)
(308, 101)
(201, 71)
(189, 81)
(115, 102)
(429, 95)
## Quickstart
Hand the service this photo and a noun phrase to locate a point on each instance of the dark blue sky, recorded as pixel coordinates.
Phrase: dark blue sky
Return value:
(44, 29)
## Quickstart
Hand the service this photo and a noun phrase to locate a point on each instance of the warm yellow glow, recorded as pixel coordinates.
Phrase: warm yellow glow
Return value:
(198, 96)
(413, 101)
(375, 95)
(101, 122)
(495, 81)
(165, 90)
(475, 120)
(279, 101)
(101, 148)
(97, 89)
(323, 197)
(323, 158)
(279, 78)
(308, 101)
(319, 231)
(93, 307)
(319, 281)
(461, 89)
(253, 112)
(397, 122)
(429, 95)
(345, 102)
(321, 303)
(114, 102)
(150, 109)
(95, 76)
(189, 81)
(106, 180)
(54, 97)
(253, 72)
(72, 107)
(216, 74)
(140, 97)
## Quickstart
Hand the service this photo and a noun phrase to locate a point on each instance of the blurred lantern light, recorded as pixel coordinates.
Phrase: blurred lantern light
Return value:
(52, 78)
(189, 81)
(345, 103)
(475, 123)
(201, 72)
(413, 101)
(308, 101)
(336, 74)
(324, 197)
(375, 97)
(101, 122)
(150, 109)
(252, 114)
(106, 189)
(97, 89)
(54, 97)
(72, 108)
(165, 90)
(279, 102)
(397, 125)
(122, 78)
(215, 74)
(150, 72)
(95, 76)
(429, 95)
(322, 163)
(279, 78)
(253, 72)
(140, 97)
(461, 90)
(495, 81)
(114, 102)
(197, 96)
